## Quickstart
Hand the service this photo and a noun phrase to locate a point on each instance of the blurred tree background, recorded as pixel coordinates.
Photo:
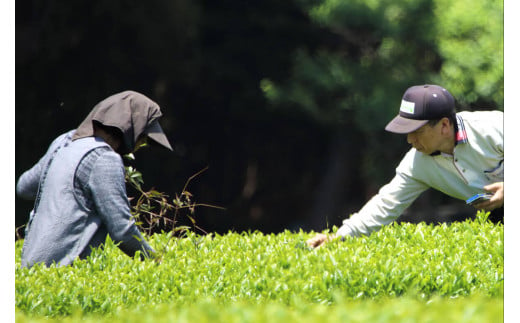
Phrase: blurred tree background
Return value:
(285, 101)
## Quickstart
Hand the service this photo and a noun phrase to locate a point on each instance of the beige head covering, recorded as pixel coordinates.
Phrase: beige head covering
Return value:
(132, 113)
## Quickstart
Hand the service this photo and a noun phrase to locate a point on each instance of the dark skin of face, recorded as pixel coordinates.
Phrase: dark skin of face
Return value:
(116, 141)
(429, 139)
(112, 140)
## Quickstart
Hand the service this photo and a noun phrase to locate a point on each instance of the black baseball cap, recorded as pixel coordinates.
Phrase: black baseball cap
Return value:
(420, 104)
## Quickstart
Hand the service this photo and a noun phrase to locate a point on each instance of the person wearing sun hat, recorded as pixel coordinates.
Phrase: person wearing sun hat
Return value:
(132, 113)
(460, 154)
(79, 184)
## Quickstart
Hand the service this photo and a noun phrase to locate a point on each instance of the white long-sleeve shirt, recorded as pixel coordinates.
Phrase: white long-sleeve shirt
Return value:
(478, 160)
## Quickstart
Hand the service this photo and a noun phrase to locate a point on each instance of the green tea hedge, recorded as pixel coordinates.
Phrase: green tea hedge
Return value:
(470, 309)
(415, 263)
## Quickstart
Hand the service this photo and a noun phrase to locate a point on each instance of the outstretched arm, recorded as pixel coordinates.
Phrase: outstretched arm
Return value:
(382, 209)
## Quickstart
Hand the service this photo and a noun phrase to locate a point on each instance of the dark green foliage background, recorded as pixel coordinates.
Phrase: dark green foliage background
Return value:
(285, 101)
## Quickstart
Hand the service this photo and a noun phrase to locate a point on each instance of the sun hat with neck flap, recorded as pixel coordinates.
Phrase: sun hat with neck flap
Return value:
(420, 104)
(131, 112)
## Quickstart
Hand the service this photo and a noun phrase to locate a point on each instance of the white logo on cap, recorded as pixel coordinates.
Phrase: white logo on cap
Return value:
(408, 107)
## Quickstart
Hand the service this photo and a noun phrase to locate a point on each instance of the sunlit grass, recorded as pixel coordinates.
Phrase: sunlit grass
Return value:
(404, 270)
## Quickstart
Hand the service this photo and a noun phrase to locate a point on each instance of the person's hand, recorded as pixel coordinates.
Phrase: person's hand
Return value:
(496, 201)
(319, 240)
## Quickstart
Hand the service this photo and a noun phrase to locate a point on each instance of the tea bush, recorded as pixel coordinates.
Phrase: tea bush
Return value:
(468, 309)
(406, 268)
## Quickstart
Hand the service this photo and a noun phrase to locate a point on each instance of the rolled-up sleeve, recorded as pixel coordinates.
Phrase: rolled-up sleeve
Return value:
(107, 186)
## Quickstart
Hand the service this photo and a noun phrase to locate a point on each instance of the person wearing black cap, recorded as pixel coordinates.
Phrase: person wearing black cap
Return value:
(460, 154)
(79, 184)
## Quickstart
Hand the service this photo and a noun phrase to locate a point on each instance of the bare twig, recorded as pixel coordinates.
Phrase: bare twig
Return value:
(148, 218)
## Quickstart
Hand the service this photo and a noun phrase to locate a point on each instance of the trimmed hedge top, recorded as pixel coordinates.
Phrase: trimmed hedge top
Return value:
(421, 261)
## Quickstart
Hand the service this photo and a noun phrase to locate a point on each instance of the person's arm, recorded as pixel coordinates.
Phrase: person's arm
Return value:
(497, 188)
(489, 132)
(386, 206)
(28, 182)
(496, 201)
(27, 185)
(107, 186)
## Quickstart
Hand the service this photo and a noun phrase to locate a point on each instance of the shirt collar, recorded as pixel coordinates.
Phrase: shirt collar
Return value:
(461, 137)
